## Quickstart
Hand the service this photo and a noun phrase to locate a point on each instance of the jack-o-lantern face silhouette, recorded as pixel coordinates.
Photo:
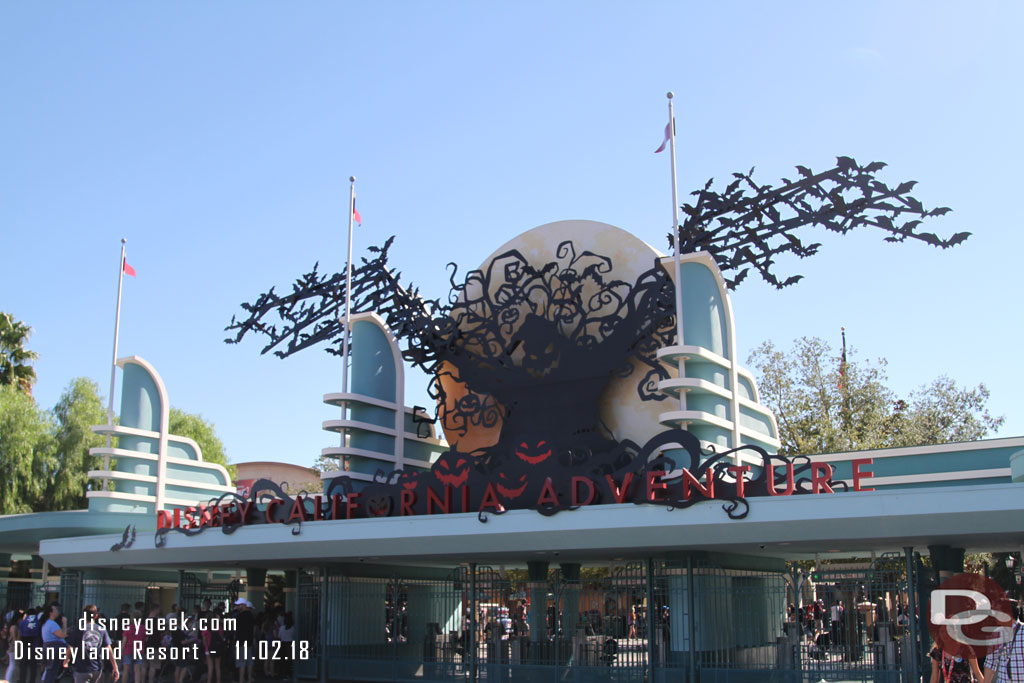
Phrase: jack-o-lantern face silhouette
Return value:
(510, 486)
(533, 454)
(409, 479)
(379, 506)
(452, 470)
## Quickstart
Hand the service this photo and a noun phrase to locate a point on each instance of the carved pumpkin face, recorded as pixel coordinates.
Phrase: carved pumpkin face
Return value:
(533, 454)
(452, 470)
(409, 479)
(379, 506)
(510, 486)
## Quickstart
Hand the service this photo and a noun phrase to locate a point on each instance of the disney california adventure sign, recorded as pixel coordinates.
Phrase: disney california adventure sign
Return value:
(458, 483)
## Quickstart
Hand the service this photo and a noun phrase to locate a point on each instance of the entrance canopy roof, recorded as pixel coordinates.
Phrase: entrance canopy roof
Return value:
(22, 533)
(976, 517)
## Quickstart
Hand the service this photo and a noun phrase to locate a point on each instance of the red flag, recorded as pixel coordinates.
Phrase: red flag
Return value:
(668, 131)
(355, 214)
(128, 270)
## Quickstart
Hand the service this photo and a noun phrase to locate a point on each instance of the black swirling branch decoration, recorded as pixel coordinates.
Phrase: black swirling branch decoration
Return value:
(749, 225)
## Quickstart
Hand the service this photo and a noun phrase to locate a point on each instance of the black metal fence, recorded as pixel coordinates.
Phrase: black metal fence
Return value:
(697, 619)
(25, 593)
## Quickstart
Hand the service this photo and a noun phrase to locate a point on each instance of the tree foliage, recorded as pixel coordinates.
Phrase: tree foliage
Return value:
(79, 408)
(16, 360)
(26, 445)
(44, 454)
(826, 406)
(195, 427)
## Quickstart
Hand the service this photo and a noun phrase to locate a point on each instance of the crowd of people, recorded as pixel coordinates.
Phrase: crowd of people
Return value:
(211, 643)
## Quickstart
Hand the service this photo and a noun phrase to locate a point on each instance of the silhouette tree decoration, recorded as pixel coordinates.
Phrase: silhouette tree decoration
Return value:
(529, 349)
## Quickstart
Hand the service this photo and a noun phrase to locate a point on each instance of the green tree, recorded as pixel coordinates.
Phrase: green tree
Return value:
(326, 463)
(79, 408)
(203, 433)
(15, 360)
(826, 406)
(26, 449)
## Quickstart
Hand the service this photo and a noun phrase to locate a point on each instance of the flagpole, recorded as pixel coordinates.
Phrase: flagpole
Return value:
(677, 267)
(348, 292)
(113, 362)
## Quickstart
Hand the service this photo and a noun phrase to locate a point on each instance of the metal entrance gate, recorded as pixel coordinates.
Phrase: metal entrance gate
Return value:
(479, 624)
(732, 624)
(192, 591)
(307, 622)
(702, 619)
(25, 593)
(859, 635)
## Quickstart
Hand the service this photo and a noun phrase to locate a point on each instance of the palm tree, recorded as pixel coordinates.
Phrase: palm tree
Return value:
(15, 360)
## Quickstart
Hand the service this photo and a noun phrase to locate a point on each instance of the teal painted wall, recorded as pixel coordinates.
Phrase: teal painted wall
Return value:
(703, 309)
(373, 371)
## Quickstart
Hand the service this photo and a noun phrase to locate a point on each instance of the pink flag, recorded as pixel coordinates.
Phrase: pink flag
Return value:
(355, 213)
(668, 131)
(128, 270)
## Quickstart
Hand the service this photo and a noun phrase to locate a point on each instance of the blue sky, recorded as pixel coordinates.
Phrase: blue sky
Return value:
(218, 139)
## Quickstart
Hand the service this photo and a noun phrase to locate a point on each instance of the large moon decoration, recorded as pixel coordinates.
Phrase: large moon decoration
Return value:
(620, 407)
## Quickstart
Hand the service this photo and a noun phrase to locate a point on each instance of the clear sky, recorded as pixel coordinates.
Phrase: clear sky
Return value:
(218, 138)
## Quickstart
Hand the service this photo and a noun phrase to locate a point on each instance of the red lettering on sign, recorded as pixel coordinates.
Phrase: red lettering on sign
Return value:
(298, 512)
(408, 500)
(491, 500)
(164, 519)
(268, 514)
(465, 498)
(738, 471)
(858, 476)
(655, 487)
(350, 505)
(790, 483)
(708, 490)
(619, 494)
(190, 521)
(318, 507)
(433, 500)
(243, 510)
(821, 472)
(335, 504)
(548, 495)
(591, 491)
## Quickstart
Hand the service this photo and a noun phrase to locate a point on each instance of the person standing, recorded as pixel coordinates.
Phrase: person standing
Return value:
(29, 630)
(836, 612)
(115, 639)
(948, 668)
(54, 632)
(152, 664)
(214, 644)
(245, 625)
(286, 636)
(93, 645)
(133, 638)
(1008, 661)
(13, 636)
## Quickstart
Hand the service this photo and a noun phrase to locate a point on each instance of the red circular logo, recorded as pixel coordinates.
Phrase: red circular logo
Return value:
(970, 616)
